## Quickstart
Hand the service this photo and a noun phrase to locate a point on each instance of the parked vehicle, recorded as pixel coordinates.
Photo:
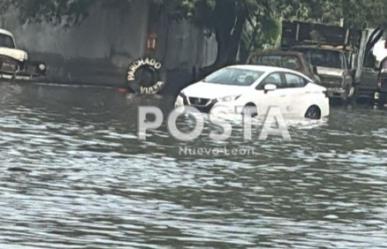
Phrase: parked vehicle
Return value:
(367, 75)
(381, 96)
(14, 63)
(254, 89)
(332, 67)
(330, 49)
(287, 59)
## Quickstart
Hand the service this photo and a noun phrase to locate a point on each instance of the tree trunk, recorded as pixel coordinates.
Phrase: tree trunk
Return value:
(228, 34)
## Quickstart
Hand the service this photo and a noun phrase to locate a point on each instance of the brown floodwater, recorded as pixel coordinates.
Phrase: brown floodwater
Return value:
(74, 175)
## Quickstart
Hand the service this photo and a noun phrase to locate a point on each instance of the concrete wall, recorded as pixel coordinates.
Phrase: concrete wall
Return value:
(188, 46)
(103, 33)
(100, 48)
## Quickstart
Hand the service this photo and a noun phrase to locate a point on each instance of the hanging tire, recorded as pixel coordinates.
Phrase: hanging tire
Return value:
(146, 77)
(313, 113)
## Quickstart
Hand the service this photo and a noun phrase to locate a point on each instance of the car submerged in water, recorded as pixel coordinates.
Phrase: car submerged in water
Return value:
(14, 63)
(253, 90)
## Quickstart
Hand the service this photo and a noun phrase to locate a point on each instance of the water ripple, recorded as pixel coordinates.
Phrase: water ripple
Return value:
(74, 175)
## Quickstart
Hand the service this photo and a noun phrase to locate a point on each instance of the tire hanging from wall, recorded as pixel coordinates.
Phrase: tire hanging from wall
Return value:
(146, 76)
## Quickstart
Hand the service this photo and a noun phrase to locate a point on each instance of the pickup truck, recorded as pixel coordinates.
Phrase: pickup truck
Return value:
(330, 50)
(14, 62)
(332, 67)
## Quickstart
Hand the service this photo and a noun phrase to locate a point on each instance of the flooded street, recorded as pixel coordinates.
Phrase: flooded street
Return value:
(74, 175)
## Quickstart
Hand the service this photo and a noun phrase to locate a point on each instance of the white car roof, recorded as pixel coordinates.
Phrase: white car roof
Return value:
(268, 69)
(5, 32)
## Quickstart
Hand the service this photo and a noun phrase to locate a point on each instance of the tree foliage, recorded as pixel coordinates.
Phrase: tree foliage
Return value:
(54, 11)
(59, 12)
(224, 18)
(239, 25)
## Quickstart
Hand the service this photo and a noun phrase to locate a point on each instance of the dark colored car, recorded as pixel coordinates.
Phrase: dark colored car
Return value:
(286, 59)
(381, 96)
(368, 71)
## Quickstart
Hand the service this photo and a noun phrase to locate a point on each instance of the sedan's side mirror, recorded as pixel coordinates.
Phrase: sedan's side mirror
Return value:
(270, 88)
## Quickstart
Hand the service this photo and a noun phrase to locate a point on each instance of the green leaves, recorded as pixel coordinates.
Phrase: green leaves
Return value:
(66, 12)
(357, 13)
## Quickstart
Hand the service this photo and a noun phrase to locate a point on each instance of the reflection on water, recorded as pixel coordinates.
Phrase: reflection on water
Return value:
(74, 175)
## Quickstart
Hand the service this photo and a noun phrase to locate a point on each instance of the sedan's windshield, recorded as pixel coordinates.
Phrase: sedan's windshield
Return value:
(234, 76)
(286, 61)
(324, 58)
(6, 41)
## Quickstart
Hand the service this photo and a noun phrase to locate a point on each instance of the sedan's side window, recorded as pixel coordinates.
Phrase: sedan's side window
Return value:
(294, 81)
(273, 79)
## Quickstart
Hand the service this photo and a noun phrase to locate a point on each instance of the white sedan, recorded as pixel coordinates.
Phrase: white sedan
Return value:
(254, 90)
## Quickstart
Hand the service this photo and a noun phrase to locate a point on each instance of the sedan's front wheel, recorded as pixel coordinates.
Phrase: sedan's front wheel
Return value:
(250, 110)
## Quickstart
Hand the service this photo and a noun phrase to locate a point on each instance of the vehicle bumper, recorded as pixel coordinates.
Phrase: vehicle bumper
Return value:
(334, 92)
(214, 107)
(20, 77)
(366, 93)
(6, 76)
(183, 102)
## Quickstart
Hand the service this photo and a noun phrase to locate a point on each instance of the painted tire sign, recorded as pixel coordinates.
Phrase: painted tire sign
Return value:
(145, 76)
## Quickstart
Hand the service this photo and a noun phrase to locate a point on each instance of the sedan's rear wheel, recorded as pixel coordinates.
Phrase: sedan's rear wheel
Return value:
(313, 113)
